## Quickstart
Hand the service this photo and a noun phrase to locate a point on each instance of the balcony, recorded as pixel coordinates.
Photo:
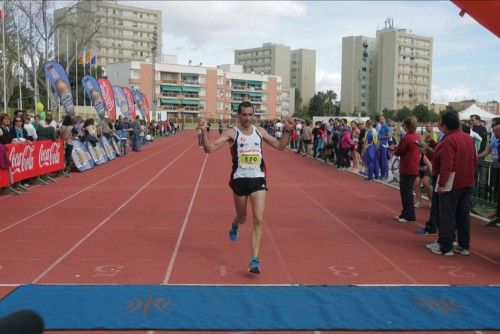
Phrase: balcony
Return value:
(190, 82)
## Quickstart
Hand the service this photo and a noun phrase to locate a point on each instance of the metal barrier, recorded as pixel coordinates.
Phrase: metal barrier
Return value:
(487, 185)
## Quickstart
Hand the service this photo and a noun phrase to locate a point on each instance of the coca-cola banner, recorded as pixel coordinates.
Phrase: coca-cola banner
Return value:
(130, 100)
(94, 93)
(34, 159)
(60, 84)
(108, 96)
(121, 101)
(146, 106)
(4, 178)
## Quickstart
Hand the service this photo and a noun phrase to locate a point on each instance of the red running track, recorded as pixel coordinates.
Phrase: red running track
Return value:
(161, 216)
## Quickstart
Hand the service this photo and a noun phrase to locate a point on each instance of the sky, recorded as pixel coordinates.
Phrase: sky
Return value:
(466, 57)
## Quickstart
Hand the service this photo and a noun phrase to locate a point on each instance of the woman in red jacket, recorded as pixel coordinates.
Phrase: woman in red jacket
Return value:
(409, 154)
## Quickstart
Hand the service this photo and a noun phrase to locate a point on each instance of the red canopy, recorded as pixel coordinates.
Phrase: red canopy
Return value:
(487, 13)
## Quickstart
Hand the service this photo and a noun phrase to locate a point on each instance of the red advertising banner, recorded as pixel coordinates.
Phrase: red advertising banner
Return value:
(31, 160)
(4, 179)
(146, 105)
(131, 103)
(108, 96)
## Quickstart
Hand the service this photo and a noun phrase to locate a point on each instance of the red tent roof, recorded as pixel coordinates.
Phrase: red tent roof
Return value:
(487, 13)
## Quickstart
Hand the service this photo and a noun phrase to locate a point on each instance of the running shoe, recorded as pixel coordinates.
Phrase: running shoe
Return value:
(438, 251)
(423, 231)
(432, 245)
(254, 265)
(418, 205)
(233, 232)
(461, 250)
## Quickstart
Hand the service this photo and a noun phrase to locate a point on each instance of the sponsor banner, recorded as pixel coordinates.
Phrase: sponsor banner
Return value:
(59, 82)
(110, 152)
(4, 178)
(81, 156)
(130, 100)
(121, 102)
(35, 159)
(97, 153)
(146, 106)
(108, 96)
(94, 93)
(139, 101)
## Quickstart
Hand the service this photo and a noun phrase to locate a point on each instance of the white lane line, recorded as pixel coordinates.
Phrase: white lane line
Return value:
(42, 275)
(340, 221)
(84, 189)
(170, 268)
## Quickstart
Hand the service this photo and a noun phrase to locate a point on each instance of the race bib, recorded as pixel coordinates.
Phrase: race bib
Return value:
(250, 160)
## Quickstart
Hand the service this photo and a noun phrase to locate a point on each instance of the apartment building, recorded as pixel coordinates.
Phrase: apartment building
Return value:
(126, 33)
(189, 92)
(490, 106)
(358, 60)
(297, 68)
(401, 70)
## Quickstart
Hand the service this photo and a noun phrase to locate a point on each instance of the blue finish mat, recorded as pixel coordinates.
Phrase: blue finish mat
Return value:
(135, 307)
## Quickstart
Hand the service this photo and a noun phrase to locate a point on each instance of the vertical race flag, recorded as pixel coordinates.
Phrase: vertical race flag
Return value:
(60, 84)
(130, 100)
(108, 96)
(146, 105)
(121, 101)
(94, 93)
(139, 101)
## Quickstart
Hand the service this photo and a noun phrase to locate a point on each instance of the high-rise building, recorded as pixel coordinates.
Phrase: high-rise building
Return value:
(125, 33)
(392, 71)
(297, 68)
(185, 91)
(303, 73)
(358, 59)
(404, 69)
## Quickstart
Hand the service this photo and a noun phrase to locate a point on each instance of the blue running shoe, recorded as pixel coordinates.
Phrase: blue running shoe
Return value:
(233, 232)
(254, 265)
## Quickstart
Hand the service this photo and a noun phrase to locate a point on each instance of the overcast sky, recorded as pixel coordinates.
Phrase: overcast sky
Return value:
(466, 55)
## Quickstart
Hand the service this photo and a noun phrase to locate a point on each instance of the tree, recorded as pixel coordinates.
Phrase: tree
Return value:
(389, 114)
(317, 105)
(37, 32)
(403, 113)
(302, 113)
(422, 113)
(330, 96)
(298, 99)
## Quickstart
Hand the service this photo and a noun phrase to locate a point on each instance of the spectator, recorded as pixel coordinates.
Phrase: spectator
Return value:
(384, 134)
(306, 137)
(66, 133)
(475, 122)
(423, 179)
(136, 128)
(30, 129)
(90, 132)
(455, 159)
(18, 132)
(5, 135)
(48, 121)
(370, 151)
(409, 154)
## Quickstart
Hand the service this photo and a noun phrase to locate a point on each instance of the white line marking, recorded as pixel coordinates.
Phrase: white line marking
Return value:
(85, 189)
(259, 285)
(401, 271)
(108, 218)
(183, 228)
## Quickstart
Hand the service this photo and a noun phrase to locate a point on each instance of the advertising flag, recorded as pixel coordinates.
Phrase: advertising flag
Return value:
(81, 156)
(60, 84)
(139, 101)
(130, 100)
(108, 96)
(94, 93)
(121, 101)
(148, 109)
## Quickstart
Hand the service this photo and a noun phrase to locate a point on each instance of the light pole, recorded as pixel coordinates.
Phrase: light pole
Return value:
(153, 60)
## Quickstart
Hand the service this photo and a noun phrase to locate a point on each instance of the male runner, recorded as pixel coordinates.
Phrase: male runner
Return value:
(248, 175)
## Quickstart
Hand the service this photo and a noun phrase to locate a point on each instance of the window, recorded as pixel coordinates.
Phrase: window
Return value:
(220, 105)
(363, 86)
(363, 69)
(362, 104)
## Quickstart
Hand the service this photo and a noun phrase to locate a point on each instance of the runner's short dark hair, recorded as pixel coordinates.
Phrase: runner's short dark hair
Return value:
(245, 104)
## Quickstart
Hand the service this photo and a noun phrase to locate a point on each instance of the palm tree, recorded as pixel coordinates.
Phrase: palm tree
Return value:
(330, 96)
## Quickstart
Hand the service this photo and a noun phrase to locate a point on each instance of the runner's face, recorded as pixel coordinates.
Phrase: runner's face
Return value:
(246, 117)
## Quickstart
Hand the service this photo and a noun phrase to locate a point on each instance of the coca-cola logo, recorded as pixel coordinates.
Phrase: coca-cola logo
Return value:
(21, 158)
(50, 156)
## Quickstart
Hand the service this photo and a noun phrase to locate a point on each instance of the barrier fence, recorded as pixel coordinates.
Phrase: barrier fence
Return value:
(33, 159)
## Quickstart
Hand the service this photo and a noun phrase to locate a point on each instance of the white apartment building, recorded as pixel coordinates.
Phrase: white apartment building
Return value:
(404, 69)
(297, 68)
(188, 92)
(395, 73)
(359, 54)
(126, 33)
